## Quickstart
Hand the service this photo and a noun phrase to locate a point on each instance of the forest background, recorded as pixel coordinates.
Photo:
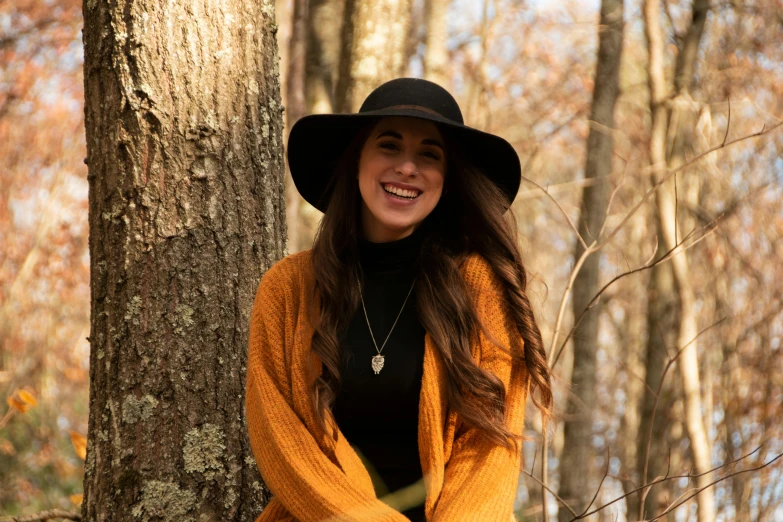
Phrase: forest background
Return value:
(708, 299)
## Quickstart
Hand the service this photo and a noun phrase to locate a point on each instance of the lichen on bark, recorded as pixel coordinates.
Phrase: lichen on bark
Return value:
(203, 451)
(164, 502)
(134, 410)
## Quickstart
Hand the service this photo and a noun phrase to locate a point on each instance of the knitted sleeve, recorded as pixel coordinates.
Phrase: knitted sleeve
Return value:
(481, 477)
(305, 481)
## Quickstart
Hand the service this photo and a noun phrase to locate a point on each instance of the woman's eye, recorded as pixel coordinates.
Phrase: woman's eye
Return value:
(393, 146)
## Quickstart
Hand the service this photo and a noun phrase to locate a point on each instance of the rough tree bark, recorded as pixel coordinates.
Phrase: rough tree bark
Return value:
(374, 37)
(183, 124)
(576, 461)
(666, 203)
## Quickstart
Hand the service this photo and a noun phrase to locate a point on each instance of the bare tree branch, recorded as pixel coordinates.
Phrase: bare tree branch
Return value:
(655, 408)
(720, 479)
(595, 246)
(563, 502)
(708, 228)
(764, 130)
(667, 477)
(571, 223)
(51, 514)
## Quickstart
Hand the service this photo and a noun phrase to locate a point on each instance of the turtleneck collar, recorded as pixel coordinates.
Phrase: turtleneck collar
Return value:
(392, 257)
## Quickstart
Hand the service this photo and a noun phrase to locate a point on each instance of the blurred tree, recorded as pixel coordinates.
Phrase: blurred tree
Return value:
(184, 128)
(577, 456)
(665, 122)
(294, 109)
(323, 54)
(436, 55)
(632, 341)
(373, 48)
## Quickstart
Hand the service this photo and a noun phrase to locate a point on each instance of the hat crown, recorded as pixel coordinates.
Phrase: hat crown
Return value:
(413, 92)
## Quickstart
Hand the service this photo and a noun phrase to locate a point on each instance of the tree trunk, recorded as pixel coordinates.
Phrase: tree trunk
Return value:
(576, 463)
(323, 55)
(662, 325)
(373, 48)
(295, 109)
(184, 129)
(321, 65)
(436, 56)
(731, 380)
(688, 361)
(633, 331)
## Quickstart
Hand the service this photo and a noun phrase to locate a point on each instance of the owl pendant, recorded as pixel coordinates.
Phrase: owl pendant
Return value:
(377, 363)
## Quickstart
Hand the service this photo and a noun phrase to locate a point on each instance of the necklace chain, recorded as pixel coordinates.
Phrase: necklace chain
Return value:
(377, 360)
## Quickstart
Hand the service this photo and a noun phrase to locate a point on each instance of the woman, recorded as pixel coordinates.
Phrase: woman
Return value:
(415, 262)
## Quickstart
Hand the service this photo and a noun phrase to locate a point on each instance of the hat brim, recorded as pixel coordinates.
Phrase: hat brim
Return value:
(317, 140)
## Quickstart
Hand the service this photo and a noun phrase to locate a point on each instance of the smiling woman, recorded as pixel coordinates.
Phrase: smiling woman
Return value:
(415, 261)
(401, 169)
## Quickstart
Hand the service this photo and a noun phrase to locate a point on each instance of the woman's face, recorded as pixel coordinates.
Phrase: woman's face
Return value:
(401, 170)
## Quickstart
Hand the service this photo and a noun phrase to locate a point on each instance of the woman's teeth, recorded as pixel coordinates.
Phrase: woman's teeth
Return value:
(406, 194)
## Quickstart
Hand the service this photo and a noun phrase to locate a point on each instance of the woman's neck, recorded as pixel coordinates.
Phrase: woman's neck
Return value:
(394, 256)
(385, 235)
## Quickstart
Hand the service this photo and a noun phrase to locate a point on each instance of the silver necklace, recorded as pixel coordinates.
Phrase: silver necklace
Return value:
(377, 360)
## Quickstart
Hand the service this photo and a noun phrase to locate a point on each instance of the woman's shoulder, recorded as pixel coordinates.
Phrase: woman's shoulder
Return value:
(286, 273)
(478, 273)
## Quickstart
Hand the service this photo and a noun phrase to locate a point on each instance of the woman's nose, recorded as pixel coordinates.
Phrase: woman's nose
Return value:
(407, 167)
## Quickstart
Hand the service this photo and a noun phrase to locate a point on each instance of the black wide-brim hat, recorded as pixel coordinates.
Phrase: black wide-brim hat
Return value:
(317, 140)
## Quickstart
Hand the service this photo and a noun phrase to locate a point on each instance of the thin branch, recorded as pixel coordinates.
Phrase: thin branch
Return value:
(728, 123)
(660, 480)
(764, 130)
(563, 502)
(720, 479)
(51, 514)
(544, 473)
(561, 310)
(598, 490)
(677, 35)
(668, 255)
(571, 223)
(655, 408)
(589, 250)
(611, 199)
(6, 418)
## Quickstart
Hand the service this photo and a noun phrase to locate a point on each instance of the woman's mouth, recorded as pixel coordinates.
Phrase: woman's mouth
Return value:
(399, 193)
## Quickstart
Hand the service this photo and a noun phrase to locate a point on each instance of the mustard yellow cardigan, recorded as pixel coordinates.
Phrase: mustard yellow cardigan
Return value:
(466, 477)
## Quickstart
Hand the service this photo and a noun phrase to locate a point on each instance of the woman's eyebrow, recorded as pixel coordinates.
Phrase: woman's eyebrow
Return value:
(393, 134)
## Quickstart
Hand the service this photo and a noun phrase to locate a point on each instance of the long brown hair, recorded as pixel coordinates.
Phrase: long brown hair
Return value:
(467, 219)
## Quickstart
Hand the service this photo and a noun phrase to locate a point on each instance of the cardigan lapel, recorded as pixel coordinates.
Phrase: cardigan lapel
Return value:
(433, 405)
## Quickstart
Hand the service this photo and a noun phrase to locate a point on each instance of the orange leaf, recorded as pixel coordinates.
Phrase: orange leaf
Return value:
(77, 498)
(27, 397)
(16, 404)
(79, 443)
(21, 400)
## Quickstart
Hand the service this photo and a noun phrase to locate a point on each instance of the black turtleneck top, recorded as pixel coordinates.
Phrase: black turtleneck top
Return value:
(378, 413)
